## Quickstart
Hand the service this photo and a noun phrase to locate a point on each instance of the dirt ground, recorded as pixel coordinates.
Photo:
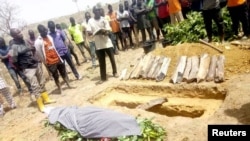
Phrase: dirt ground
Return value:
(190, 107)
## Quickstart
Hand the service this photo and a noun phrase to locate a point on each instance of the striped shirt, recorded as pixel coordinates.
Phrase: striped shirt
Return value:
(2, 83)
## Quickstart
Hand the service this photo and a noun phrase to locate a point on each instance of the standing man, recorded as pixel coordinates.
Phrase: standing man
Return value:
(31, 41)
(5, 91)
(47, 52)
(22, 57)
(76, 32)
(112, 36)
(162, 11)
(123, 17)
(69, 43)
(89, 39)
(13, 71)
(142, 22)
(60, 44)
(238, 11)
(175, 11)
(115, 26)
(133, 21)
(211, 11)
(151, 16)
(102, 42)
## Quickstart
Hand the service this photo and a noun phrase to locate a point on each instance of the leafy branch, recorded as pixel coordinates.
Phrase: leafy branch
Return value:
(193, 28)
(150, 132)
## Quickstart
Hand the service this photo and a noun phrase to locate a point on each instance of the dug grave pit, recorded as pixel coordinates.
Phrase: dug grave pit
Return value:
(187, 100)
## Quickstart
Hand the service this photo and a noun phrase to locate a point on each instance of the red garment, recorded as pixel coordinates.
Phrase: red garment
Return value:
(163, 10)
(185, 3)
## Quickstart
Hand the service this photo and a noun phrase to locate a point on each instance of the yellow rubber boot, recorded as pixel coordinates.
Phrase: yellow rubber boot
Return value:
(46, 99)
(40, 105)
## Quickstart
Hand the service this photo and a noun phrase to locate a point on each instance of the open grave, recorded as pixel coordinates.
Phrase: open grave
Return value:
(180, 100)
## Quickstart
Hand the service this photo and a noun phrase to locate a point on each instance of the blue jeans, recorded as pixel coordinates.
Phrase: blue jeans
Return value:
(68, 59)
(113, 38)
(92, 51)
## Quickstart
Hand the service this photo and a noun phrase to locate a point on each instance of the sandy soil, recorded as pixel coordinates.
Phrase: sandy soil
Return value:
(190, 107)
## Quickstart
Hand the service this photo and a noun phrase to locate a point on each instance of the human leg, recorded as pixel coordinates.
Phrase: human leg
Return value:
(235, 19)
(80, 46)
(72, 52)
(87, 48)
(40, 76)
(124, 38)
(172, 18)
(119, 36)
(62, 70)
(217, 17)
(179, 16)
(143, 33)
(25, 80)
(55, 75)
(7, 94)
(14, 76)
(92, 50)
(37, 92)
(112, 60)
(243, 15)
(208, 23)
(136, 34)
(102, 63)
(68, 59)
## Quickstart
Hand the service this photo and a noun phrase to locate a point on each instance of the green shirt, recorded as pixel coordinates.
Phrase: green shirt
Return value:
(76, 33)
(152, 14)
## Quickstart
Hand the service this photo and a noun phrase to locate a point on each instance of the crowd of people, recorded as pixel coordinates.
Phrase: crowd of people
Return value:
(99, 36)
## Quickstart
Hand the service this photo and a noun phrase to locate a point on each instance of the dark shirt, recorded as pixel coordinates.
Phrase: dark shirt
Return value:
(22, 56)
(3, 52)
(142, 22)
(31, 43)
(132, 12)
(196, 5)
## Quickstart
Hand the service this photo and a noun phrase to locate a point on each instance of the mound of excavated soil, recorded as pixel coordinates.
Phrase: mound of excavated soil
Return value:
(237, 60)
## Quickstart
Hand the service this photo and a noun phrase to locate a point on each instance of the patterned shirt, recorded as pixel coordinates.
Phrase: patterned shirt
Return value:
(2, 83)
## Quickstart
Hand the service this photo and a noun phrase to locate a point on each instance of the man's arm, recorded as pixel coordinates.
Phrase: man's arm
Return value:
(4, 57)
(122, 18)
(139, 11)
(163, 2)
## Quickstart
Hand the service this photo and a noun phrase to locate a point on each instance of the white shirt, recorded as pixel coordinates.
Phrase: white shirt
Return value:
(125, 14)
(88, 38)
(40, 51)
(101, 41)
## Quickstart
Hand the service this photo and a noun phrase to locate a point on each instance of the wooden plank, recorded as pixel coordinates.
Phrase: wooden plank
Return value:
(158, 68)
(152, 103)
(134, 68)
(219, 74)
(149, 66)
(136, 73)
(164, 69)
(204, 67)
(150, 73)
(146, 62)
(123, 74)
(187, 69)
(194, 69)
(212, 68)
(178, 74)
